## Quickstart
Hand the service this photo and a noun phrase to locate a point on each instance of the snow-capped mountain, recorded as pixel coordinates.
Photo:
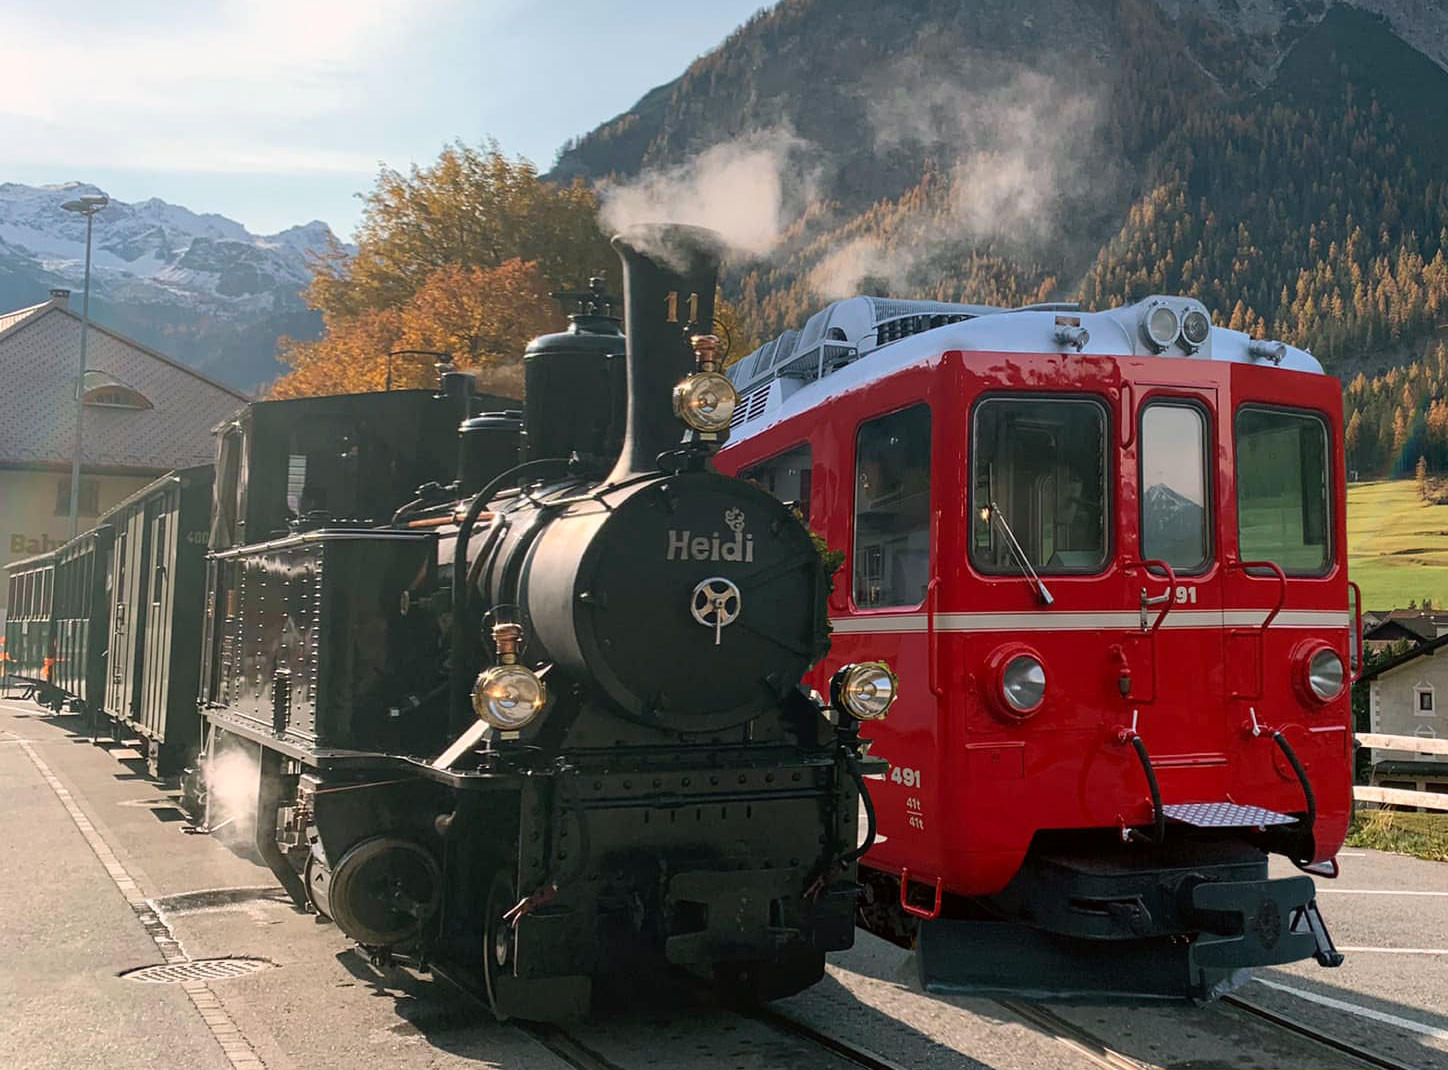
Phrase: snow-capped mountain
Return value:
(198, 287)
(1173, 524)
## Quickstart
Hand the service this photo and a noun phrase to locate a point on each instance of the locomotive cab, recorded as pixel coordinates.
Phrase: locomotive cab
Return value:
(1113, 546)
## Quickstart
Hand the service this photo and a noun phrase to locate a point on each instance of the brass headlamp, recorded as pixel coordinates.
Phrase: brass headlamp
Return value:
(705, 399)
(508, 696)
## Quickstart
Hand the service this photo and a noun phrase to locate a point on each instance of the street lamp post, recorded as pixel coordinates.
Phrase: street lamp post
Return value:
(87, 206)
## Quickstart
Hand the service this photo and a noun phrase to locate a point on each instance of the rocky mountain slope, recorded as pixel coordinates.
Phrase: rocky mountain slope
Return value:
(200, 288)
(1279, 159)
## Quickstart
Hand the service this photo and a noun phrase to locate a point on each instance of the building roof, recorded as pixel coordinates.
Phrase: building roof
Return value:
(39, 350)
(1426, 647)
(1398, 624)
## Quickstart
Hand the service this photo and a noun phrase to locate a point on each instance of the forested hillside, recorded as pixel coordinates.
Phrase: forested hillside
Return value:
(1091, 149)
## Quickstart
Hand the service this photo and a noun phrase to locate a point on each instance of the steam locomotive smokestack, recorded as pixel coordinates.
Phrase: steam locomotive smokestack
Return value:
(670, 273)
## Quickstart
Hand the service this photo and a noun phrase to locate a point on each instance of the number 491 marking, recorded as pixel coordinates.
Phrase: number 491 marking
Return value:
(909, 777)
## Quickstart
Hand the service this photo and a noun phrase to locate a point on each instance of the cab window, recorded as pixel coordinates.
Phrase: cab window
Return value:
(788, 476)
(892, 509)
(1038, 477)
(1174, 498)
(1282, 511)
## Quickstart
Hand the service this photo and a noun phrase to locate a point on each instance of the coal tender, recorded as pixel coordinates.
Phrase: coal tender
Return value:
(555, 728)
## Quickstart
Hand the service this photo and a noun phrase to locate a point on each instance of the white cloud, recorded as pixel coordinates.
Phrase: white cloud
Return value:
(243, 85)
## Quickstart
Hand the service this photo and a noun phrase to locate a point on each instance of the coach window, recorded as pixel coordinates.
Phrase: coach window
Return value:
(788, 477)
(1174, 505)
(1282, 473)
(892, 509)
(1039, 468)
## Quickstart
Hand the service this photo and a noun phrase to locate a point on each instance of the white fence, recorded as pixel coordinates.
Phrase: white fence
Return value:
(1430, 800)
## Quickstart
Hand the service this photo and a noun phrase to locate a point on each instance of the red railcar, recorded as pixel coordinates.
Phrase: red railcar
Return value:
(1106, 553)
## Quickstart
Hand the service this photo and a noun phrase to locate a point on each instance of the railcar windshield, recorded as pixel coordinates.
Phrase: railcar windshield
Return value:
(1282, 480)
(1042, 463)
(1174, 494)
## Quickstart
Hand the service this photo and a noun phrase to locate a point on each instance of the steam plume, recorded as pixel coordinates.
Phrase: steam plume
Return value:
(749, 189)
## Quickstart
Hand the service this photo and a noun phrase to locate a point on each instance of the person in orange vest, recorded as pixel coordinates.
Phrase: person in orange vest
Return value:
(45, 669)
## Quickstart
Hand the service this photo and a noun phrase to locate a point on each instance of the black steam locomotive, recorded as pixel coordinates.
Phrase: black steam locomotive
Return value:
(548, 722)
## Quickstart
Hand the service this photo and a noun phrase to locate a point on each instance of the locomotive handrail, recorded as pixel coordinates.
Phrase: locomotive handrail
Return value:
(1261, 629)
(930, 655)
(1128, 419)
(1355, 648)
(1276, 570)
(1146, 565)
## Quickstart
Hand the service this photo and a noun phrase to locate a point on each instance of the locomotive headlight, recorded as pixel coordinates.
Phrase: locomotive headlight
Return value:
(1325, 674)
(508, 696)
(1023, 683)
(706, 401)
(1161, 326)
(865, 690)
(1195, 328)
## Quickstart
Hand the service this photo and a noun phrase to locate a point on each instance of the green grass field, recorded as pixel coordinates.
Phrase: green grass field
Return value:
(1397, 544)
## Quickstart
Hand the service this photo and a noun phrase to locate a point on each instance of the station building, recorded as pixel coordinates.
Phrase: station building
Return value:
(145, 414)
(1407, 696)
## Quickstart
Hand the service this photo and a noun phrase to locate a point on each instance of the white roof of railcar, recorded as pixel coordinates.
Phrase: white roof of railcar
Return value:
(856, 341)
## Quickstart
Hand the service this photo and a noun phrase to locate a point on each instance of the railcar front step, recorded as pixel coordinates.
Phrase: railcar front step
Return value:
(1216, 815)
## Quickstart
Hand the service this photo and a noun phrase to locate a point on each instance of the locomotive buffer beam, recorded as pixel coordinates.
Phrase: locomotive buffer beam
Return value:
(1192, 952)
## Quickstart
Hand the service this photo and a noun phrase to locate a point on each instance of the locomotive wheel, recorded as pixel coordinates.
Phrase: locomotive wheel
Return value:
(763, 980)
(498, 939)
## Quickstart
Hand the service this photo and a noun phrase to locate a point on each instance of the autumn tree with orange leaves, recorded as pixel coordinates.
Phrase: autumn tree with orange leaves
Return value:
(457, 257)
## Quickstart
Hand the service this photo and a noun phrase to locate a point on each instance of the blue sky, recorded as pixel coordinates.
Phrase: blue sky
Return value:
(276, 112)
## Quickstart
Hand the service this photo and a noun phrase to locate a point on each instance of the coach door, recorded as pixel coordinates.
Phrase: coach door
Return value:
(162, 515)
(122, 658)
(1178, 685)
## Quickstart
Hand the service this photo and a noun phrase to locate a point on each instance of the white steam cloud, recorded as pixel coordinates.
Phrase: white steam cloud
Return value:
(232, 778)
(1017, 149)
(1014, 150)
(749, 189)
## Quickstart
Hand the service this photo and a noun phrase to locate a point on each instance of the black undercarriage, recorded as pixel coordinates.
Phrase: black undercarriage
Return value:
(1088, 918)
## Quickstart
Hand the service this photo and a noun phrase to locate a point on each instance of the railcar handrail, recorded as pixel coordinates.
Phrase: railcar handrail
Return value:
(931, 598)
(1355, 648)
(1276, 570)
(1165, 600)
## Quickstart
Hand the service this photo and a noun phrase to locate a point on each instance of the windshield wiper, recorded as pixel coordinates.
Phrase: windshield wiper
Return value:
(998, 517)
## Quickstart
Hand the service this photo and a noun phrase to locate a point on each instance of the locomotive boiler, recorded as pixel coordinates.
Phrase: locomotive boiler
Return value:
(548, 723)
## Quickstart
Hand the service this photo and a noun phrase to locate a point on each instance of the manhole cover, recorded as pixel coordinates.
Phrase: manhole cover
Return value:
(197, 970)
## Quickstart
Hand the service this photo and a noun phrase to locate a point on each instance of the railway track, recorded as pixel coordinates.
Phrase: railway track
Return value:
(1293, 1025)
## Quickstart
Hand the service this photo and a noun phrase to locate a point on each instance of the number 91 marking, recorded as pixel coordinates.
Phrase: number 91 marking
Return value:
(911, 778)
(1185, 594)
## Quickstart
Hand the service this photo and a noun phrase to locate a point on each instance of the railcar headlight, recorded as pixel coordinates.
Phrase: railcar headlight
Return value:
(865, 690)
(1325, 674)
(509, 696)
(1196, 327)
(1161, 326)
(706, 401)
(1023, 683)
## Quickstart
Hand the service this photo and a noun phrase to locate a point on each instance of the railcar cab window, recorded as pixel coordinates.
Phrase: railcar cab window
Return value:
(1282, 489)
(1042, 462)
(892, 509)
(788, 476)
(1174, 499)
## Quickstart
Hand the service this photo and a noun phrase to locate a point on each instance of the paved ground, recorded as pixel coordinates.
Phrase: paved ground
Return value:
(100, 878)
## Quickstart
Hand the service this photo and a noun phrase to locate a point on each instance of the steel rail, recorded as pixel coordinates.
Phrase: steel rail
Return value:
(566, 1046)
(851, 1053)
(1293, 1025)
(1079, 1040)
